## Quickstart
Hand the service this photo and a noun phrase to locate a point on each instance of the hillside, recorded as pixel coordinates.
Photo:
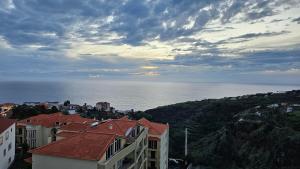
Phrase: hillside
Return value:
(253, 131)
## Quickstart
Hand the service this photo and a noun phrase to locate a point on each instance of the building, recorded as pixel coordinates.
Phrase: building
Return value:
(158, 146)
(7, 142)
(40, 130)
(50, 105)
(32, 103)
(110, 144)
(103, 106)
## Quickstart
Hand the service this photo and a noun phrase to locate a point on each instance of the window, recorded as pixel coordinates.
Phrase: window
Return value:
(9, 146)
(4, 152)
(110, 151)
(9, 160)
(138, 129)
(7, 135)
(152, 144)
(1, 140)
(152, 164)
(152, 154)
(133, 133)
(20, 131)
(117, 145)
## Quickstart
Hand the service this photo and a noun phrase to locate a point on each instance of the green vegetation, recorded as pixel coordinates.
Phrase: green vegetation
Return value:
(235, 133)
(23, 111)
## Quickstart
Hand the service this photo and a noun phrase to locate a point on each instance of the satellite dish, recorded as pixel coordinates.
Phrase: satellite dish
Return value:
(128, 131)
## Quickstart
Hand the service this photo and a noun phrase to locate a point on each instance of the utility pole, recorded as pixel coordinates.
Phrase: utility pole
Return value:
(186, 148)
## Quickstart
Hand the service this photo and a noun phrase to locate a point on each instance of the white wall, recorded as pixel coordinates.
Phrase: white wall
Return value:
(164, 150)
(4, 160)
(50, 162)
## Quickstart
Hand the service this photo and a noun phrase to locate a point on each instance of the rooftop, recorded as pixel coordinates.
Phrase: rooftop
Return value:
(5, 123)
(154, 128)
(84, 146)
(50, 120)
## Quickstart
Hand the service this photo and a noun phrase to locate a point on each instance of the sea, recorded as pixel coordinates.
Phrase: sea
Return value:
(127, 95)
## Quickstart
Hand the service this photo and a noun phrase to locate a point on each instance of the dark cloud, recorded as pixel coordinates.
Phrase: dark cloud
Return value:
(297, 20)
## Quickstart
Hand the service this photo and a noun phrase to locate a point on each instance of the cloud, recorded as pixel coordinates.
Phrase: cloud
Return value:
(114, 39)
(296, 20)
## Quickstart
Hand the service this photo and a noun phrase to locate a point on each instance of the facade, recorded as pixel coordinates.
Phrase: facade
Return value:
(40, 130)
(7, 142)
(112, 144)
(103, 106)
(158, 146)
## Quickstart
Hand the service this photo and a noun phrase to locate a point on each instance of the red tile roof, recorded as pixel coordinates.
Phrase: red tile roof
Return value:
(75, 127)
(87, 142)
(115, 126)
(5, 124)
(49, 120)
(154, 128)
(67, 134)
(85, 146)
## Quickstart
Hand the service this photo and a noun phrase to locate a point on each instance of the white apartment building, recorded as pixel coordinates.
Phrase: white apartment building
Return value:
(103, 106)
(7, 142)
(158, 146)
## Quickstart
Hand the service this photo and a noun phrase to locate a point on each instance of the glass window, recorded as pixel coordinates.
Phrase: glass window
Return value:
(1, 140)
(4, 152)
(152, 144)
(20, 130)
(9, 146)
(7, 135)
(152, 154)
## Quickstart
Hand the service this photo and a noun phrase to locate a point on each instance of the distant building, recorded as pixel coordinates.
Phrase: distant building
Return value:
(273, 106)
(111, 144)
(32, 103)
(103, 106)
(7, 142)
(40, 130)
(50, 105)
(289, 109)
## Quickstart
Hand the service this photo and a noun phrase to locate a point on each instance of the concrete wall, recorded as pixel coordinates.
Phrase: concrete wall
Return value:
(50, 162)
(10, 154)
(164, 150)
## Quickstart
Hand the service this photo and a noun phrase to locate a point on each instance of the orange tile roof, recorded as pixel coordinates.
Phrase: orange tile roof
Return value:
(85, 146)
(5, 123)
(154, 128)
(67, 134)
(49, 120)
(75, 127)
(115, 126)
(90, 143)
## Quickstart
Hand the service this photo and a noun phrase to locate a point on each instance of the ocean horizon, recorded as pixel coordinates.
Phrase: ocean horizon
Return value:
(126, 95)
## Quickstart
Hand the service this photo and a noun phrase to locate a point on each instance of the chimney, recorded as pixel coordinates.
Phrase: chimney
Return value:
(110, 126)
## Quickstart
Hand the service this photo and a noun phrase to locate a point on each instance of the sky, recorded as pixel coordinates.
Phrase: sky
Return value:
(234, 41)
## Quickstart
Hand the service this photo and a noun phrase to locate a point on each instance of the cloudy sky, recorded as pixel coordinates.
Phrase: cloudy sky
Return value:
(253, 41)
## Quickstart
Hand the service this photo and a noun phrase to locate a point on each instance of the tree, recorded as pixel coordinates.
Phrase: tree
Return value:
(67, 103)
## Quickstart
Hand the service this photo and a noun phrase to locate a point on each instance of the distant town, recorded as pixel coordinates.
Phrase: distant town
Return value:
(48, 135)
